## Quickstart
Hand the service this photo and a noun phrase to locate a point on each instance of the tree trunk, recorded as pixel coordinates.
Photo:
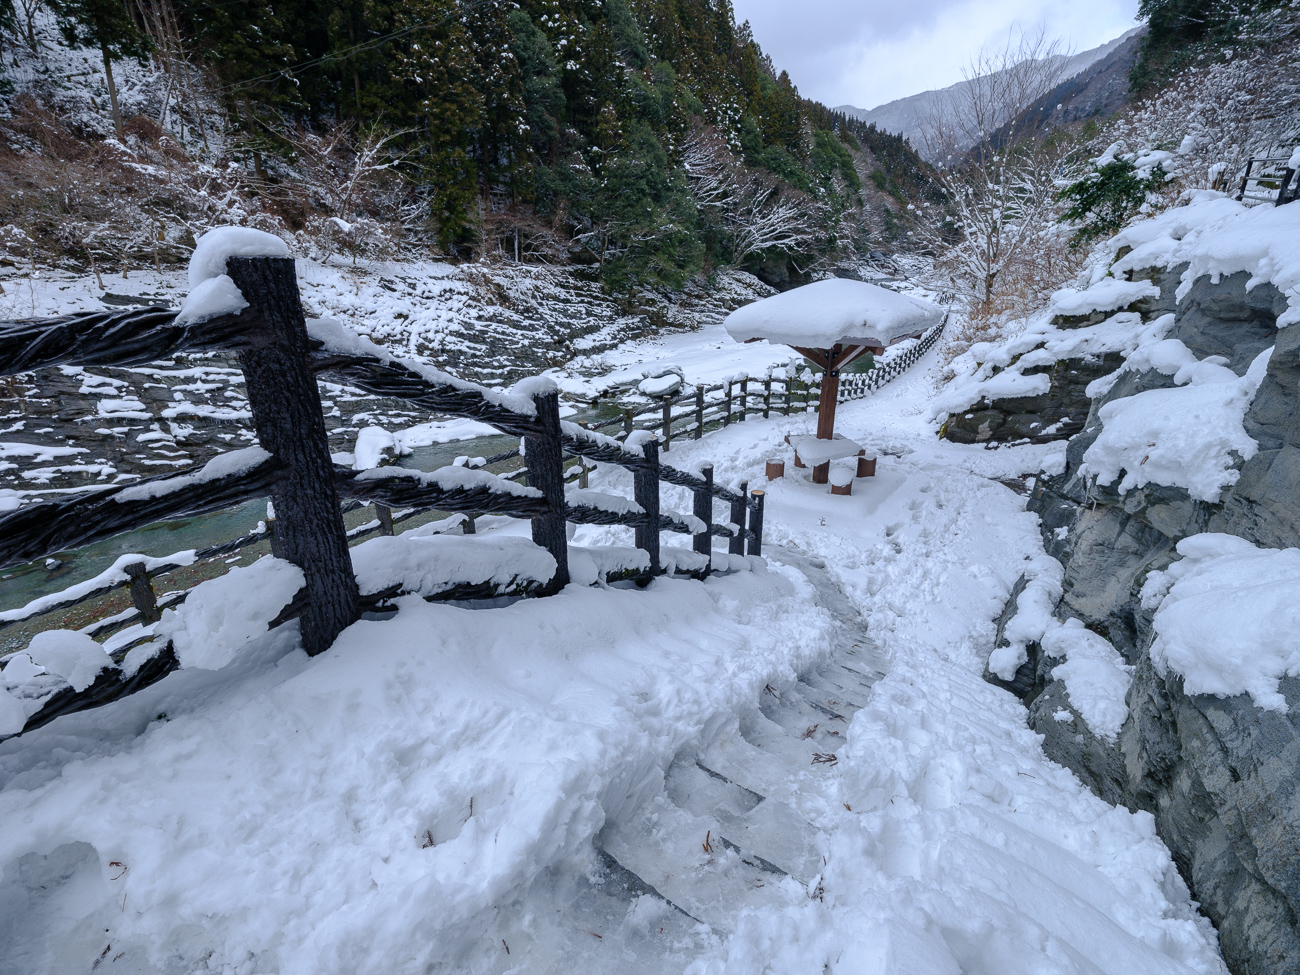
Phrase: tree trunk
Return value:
(112, 93)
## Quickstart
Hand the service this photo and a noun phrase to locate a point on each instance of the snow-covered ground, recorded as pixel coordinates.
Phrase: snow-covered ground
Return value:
(443, 790)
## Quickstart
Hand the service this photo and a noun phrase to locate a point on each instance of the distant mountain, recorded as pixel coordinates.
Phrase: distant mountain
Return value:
(905, 115)
(1099, 90)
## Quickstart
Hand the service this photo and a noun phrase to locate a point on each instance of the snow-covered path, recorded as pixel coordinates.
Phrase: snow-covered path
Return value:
(459, 790)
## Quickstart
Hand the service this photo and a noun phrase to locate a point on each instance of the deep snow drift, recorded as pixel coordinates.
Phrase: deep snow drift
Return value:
(425, 795)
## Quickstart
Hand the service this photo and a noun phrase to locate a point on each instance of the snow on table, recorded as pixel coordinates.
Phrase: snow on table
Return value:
(837, 310)
(815, 452)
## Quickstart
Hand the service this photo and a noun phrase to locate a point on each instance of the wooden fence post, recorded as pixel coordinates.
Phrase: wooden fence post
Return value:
(767, 396)
(703, 510)
(756, 525)
(668, 421)
(287, 415)
(726, 417)
(786, 383)
(627, 422)
(385, 516)
(545, 458)
(699, 412)
(645, 491)
(142, 594)
(736, 544)
(744, 398)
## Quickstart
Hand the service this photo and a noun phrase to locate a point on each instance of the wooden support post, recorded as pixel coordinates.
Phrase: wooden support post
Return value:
(767, 396)
(286, 407)
(826, 418)
(744, 397)
(726, 416)
(645, 491)
(736, 544)
(545, 455)
(273, 536)
(469, 526)
(142, 594)
(786, 382)
(756, 524)
(385, 516)
(627, 422)
(668, 422)
(699, 412)
(583, 472)
(703, 509)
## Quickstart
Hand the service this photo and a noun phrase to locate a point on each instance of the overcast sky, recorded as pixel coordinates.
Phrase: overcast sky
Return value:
(868, 52)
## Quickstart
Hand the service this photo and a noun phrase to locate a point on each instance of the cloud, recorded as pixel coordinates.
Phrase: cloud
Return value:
(867, 52)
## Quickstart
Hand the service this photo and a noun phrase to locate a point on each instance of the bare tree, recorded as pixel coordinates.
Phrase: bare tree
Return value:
(1001, 191)
(999, 84)
(757, 212)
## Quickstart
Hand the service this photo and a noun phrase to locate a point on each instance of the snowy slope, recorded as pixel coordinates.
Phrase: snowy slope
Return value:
(425, 796)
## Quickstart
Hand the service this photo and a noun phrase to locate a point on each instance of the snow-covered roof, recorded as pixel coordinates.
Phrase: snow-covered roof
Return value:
(837, 310)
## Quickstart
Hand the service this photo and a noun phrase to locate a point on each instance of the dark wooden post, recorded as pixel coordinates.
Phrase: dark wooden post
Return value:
(703, 510)
(767, 396)
(699, 412)
(826, 404)
(545, 455)
(756, 524)
(744, 398)
(645, 491)
(627, 422)
(668, 421)
(469, 526)
(142, 594)
(385, 516)
(286, 406)
(726, 417)
(736, 544)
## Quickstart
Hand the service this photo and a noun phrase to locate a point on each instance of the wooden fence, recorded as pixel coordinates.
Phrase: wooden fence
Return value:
(281, 363)
(1268, 179)
(691, 411)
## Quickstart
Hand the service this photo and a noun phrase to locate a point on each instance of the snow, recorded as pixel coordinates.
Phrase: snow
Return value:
(824, 313)
(814, 451)
(1095, 675)
(1215, 236)
(1044, 577)
(427, 793)
(451, 479)
(208, 261)
(616, 503)
(231, 463)
(660, 385)
(430, 564)
(1294, 161)
(12, 713)
(1227, 619)
(1181, 437)
(1108, 294)
(372, 443)
(224, 614)
(71, 655)
(211, 298)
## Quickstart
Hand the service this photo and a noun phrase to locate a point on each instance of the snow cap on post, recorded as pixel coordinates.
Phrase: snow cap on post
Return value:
(212, 292)
(835, 311)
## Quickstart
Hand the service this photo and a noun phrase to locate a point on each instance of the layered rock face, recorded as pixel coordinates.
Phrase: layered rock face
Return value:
(1038, 394)
(1219, 774)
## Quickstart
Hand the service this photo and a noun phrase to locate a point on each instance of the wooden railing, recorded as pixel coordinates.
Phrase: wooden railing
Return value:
(1268, 179)
(786, 390)
(281, 361)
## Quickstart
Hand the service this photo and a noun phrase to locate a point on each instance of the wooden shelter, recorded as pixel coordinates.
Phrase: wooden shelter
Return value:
(831, 323)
